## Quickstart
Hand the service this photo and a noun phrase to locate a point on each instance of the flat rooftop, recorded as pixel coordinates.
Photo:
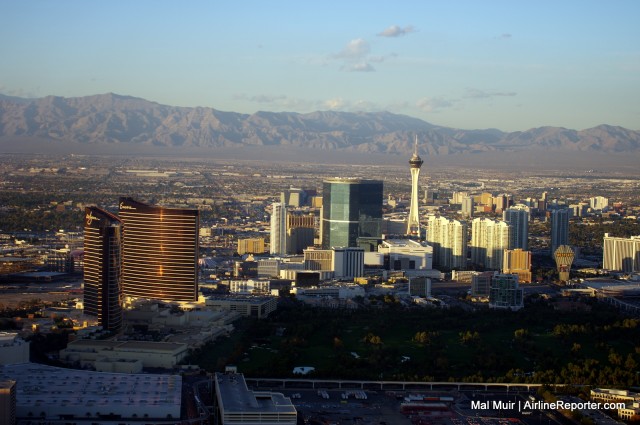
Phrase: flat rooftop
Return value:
(164, 347)
(237, 398)
(41, 385)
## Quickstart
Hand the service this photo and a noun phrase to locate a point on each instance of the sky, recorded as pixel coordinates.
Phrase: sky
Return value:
(511, 65)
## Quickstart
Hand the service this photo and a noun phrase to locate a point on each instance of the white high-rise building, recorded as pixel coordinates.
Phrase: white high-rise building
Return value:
(278, 229)
(559, 228)
(598, 203)
(467, 207)
(518, 217)
(449, 240)
(413, 222)
(489, 239)
(621, 254)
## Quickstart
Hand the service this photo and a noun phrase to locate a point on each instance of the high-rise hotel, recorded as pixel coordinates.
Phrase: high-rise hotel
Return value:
(351, 208)
(103, 267)
(160, 255)
(449, 240)
(621, 254)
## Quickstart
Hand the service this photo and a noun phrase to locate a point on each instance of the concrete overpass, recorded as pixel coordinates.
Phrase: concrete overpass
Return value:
(278, 383)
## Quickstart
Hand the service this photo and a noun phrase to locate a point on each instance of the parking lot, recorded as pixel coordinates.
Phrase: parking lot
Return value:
(332, 406)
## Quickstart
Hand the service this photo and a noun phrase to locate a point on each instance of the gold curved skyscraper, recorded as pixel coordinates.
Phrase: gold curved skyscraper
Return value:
(160, 255)
(103, 267)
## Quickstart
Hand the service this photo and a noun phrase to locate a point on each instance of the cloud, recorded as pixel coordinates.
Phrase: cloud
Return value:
(355, 57)
(472, 93)
(261, 98)
(434, 104)
(396, 31)
(504, 36)
(360, 67)
(283, 102)
(355, 49)
(333, 104)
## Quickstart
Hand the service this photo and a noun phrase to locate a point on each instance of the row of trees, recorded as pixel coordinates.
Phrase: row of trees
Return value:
(533, 345)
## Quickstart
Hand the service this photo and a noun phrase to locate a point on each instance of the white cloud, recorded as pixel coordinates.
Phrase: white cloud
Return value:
(361, 67)
(355, 49)
(434, 104)
(355, 57)
(472, 93)
(333, 104)
(396, 31)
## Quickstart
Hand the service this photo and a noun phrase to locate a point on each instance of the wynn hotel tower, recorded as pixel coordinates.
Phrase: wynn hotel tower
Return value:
(160, 255)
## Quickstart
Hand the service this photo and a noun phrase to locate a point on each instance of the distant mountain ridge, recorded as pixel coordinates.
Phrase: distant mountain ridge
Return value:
(110, 119)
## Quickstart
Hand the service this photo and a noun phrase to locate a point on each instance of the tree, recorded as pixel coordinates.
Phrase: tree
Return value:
(521, 334)
(469, 337)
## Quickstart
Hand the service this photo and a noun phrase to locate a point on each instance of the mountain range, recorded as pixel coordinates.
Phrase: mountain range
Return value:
(114, 119)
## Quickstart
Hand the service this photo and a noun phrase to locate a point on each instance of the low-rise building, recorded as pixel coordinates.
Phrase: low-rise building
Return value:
(249, 287)
(332, 291)
(505, 292)
(630, 399)
(252, 306)
(46, 393)
(8, 402)
(236, 404)
(13, 349)
(97, 353)
(406, 254)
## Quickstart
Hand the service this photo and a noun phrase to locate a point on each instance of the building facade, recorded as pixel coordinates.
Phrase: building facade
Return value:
(598, 203)
(448, 238)
(251, 246)
(160, 251)
(621, 254)
(250, 305)
(467, 207)
(406, 254)
(348, 263)
(8, 402)
(505, 292)
(301, 232)
(103, 244)
(489, 239)
(278, 231)
(517, 261)
(351, 208)
(559, 228)
(518, 217)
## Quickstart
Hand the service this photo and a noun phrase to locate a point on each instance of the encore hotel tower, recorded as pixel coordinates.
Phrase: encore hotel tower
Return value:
(160, 256)
(103, 267)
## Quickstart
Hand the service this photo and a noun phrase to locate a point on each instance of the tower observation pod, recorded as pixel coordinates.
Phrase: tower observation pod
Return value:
(413, 221)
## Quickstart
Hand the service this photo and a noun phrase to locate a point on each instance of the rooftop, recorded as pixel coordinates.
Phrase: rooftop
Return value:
(236, 397)
(41, 385)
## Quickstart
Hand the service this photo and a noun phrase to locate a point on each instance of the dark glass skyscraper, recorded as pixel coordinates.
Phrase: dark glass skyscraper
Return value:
(103, 267)
(559, 228)
(351, 208)
(160, 256)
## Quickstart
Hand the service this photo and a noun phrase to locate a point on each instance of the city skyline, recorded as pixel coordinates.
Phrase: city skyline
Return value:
(463, 65)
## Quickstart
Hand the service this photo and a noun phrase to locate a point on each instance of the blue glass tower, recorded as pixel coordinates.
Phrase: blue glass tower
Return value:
(351, 208)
